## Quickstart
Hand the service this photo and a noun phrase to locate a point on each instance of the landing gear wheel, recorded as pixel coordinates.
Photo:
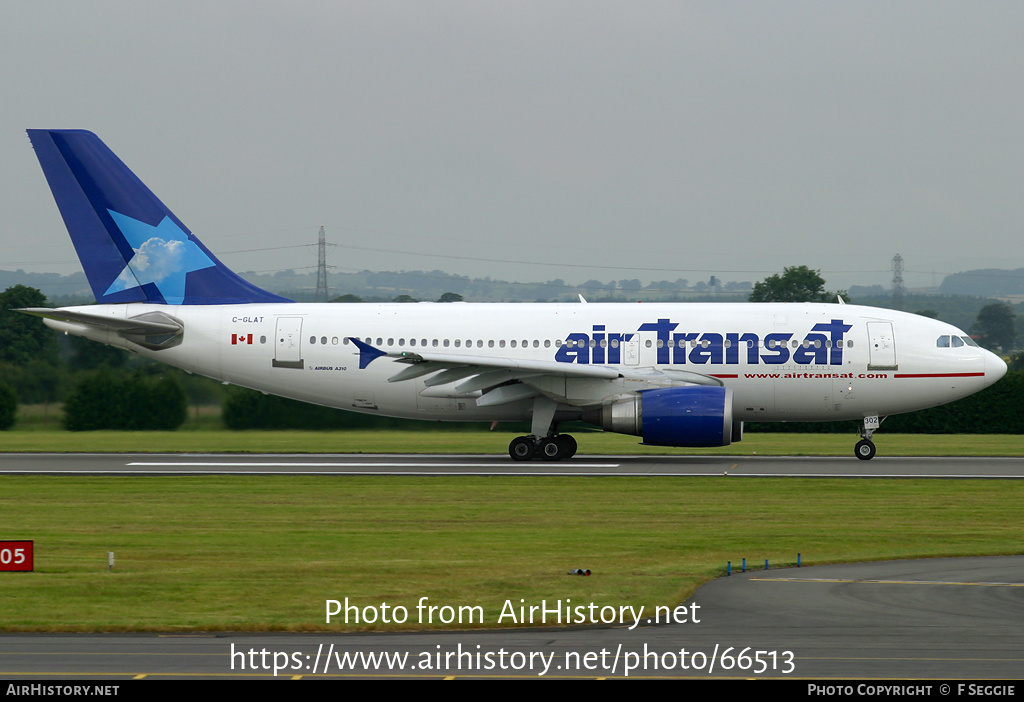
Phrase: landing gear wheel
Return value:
(551, 449)
(521, 449)
(864, 450)
(568, 445)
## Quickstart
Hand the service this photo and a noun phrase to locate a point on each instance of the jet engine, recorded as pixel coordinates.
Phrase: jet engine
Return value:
(681, 416)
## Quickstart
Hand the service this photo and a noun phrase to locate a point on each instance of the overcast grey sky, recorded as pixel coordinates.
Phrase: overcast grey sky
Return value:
(534, 140)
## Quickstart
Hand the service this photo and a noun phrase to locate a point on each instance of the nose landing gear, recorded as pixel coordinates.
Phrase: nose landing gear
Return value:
(865, 448)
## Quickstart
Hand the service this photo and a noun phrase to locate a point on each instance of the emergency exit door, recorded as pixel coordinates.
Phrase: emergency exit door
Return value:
(881, 346)
(288, 343)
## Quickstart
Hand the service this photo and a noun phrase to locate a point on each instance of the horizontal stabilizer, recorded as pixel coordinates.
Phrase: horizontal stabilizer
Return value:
(154, 330)
(131, 325)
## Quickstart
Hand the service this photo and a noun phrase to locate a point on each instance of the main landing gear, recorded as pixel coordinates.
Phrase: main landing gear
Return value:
(544, 441)
(865, 448)
(549, 448)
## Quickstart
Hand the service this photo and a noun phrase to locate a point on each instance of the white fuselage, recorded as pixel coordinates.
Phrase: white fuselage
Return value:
(783, 362)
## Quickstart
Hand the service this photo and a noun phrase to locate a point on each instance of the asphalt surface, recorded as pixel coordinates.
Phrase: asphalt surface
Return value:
(367, 464)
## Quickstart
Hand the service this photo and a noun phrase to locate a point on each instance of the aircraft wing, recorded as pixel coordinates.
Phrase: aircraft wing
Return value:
(500, 380)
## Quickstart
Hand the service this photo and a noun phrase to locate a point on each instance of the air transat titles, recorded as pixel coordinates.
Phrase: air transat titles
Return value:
(822, 346)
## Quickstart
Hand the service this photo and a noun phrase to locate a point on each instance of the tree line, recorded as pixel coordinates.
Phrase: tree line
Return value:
(101, 387)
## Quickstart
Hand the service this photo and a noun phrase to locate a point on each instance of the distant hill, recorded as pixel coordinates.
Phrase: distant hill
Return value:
(69, 289)
(985, 282)
(375, 286)
(959, 310)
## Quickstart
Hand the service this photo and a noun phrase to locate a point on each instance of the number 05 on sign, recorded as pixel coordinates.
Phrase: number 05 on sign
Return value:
(16, 555)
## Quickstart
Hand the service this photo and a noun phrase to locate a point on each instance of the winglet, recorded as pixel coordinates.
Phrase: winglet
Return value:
(367, 353)
(133, 248)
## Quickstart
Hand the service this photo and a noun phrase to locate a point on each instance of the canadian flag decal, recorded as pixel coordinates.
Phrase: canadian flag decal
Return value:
(241, 338)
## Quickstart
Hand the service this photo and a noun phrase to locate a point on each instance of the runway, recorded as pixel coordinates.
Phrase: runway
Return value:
(951, 619)
(580, 466)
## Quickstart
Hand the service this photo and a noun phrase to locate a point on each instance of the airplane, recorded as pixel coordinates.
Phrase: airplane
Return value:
(674, 374)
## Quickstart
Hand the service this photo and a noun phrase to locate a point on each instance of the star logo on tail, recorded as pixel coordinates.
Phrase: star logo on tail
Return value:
(164, 255)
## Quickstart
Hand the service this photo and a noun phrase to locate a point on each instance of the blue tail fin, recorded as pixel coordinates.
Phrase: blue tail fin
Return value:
(133, 248)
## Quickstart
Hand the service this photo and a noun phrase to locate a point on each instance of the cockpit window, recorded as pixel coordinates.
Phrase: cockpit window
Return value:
(945, 341)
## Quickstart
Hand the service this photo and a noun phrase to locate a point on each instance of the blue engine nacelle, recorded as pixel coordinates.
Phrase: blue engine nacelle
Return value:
(694, 416)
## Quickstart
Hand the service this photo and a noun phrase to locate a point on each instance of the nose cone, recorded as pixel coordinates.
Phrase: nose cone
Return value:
(995, 368)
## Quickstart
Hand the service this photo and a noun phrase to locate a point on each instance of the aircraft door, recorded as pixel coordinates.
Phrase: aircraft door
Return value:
(641, 350)
(631, 351)
(288, 343)
(881, 346)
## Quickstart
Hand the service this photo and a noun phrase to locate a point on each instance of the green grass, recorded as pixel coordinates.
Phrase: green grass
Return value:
(264, 553)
